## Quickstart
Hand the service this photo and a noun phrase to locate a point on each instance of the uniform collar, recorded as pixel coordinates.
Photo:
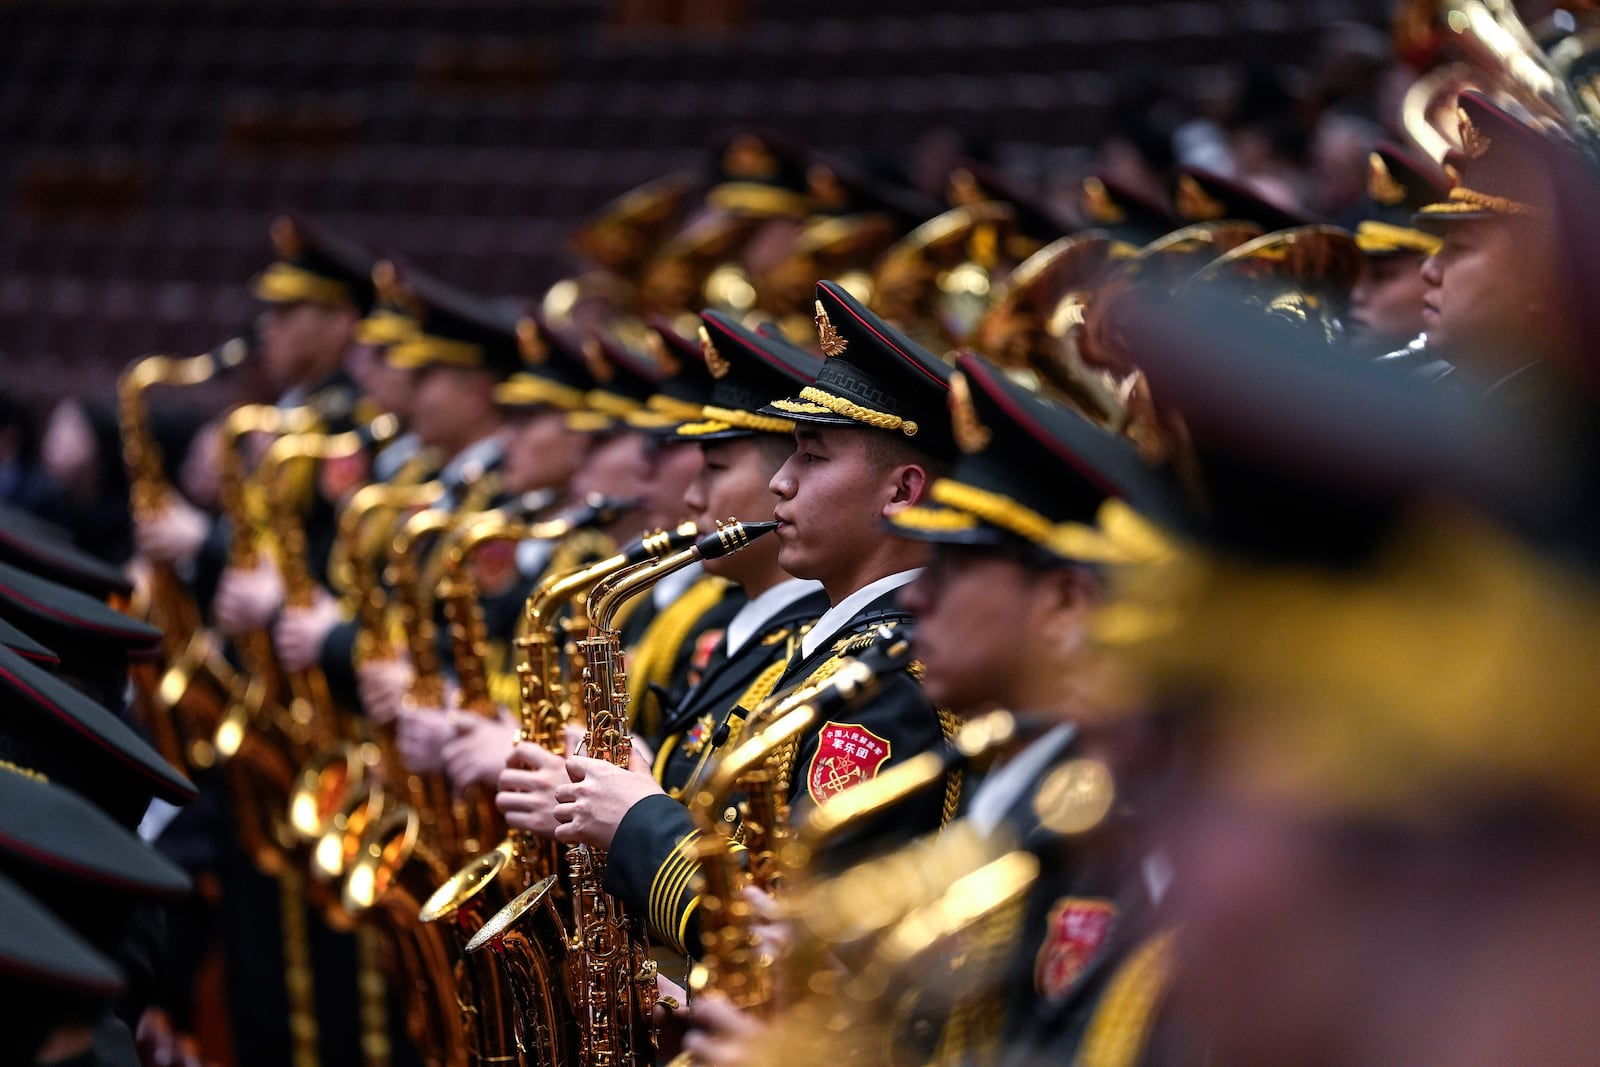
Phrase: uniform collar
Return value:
(1008, 782)
(834, 619)
(760, 610)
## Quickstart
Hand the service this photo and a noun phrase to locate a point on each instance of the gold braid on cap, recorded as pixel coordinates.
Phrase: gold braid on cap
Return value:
(1463, 200)
(1118, 536)
(970, 432)
(880, 420)
(827, 337)
(714, 362)
(1381, 185)
(1473, 142)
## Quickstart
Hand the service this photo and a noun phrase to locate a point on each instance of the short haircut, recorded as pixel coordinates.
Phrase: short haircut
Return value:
(775, 448)
(886, 450)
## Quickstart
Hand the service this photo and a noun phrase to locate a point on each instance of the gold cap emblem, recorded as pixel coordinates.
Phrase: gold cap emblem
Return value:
(530, 344)
(747, 158)
(661, 355)
(970, 432)
(1381, 185)
(714, 361)
(1473, 142)
(1098, 204)
(832, 344)
(1195, 203)
(286, 237)
(594, 358)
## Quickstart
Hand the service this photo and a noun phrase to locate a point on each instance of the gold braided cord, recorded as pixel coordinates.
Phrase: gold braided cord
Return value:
(589, 421)
(949, 725)
(748, 420)
(1463, 200)
(284, 283)
(838, 405)
(918, 517)
(671, 406)
(525, 390)
(653, 656)
(423, 349)
(1122, 1021)
(799, 407)
(609, 403)
(1119, 535)
(1373, 236)
(385, 327)
(782, 760)
(702, 428)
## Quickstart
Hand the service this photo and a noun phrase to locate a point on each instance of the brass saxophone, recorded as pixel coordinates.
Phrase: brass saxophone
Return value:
(599, 978)
(334, 762)
(183, 703)
(612, 979)
(466, 902)
(249, 741)
(729, 961)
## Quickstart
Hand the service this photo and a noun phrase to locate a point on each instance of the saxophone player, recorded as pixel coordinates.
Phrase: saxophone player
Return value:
(871, 435)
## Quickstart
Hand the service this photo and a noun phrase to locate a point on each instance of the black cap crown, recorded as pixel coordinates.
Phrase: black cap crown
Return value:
(1502, 169)
(1203, 196)
(93, 641)
(873, 376)
(455, 328)
(316, 266)
(748, 369)
(1030, 472)
(32, 545)
(1109, 204)
(51, 728)
(1398, 186)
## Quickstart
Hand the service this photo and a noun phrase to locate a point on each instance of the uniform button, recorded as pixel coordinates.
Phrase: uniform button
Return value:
(731, 815)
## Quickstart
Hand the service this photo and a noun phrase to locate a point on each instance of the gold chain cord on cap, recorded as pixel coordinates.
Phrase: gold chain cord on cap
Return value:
(1375, 236)
(1120, 535)
(881, 420)
(531, 389)
(285, 283)
(1463, 200)
(425, 348)
(719, 419)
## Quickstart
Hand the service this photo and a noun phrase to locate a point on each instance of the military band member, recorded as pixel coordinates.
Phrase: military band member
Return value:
(742, 451)
(1386, 305)
(871, 435)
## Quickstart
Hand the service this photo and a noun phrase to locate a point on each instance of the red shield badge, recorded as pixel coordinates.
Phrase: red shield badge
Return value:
(341, 474)
(494, 567)
(1077, 930)
(847, 754)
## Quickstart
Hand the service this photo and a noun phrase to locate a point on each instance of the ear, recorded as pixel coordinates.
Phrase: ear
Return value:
(908, 484)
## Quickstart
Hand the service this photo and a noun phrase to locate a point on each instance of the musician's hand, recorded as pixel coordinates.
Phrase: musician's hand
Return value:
(590, 807)
(721, 1035)
(300, 632)
(771, 929)
(477, 753)
(420, 735)
(173, 534)
(246, 600)
(382, 685)
(527, 796)
(641, 757)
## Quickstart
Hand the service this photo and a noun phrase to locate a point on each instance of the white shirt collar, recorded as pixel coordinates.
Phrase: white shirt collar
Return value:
(1005, 784)
(834, 618)
(483, 452)
(758, 610)
(675, 584)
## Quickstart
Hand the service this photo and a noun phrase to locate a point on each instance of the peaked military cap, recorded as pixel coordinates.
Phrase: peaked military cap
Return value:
(315, 266)
(749, 368)
(1502, 168)
(36, 947)
(49, 727)
(872, 377)
(1037, 222)
(56, 833)
(624, 382)
(1303, 275)
(92, 640)
(1031, 472)
(457, 329)
(760, 175)
(34, 546)
(1204, 196)
(1398, 186)
(395, 308)
(1123, 212)
(686, 381)
(27, 647)
(553, 372)
(624, 233)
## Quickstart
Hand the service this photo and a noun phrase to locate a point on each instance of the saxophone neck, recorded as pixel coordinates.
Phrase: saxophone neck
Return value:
(728, 538)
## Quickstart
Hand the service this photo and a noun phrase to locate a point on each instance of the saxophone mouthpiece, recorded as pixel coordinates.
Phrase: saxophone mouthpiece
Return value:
(730, 537)
(660, 543)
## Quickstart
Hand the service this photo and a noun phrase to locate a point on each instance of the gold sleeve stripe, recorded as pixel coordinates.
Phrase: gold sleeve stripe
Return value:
(661, 898)
(671, 916)
(683, 923)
